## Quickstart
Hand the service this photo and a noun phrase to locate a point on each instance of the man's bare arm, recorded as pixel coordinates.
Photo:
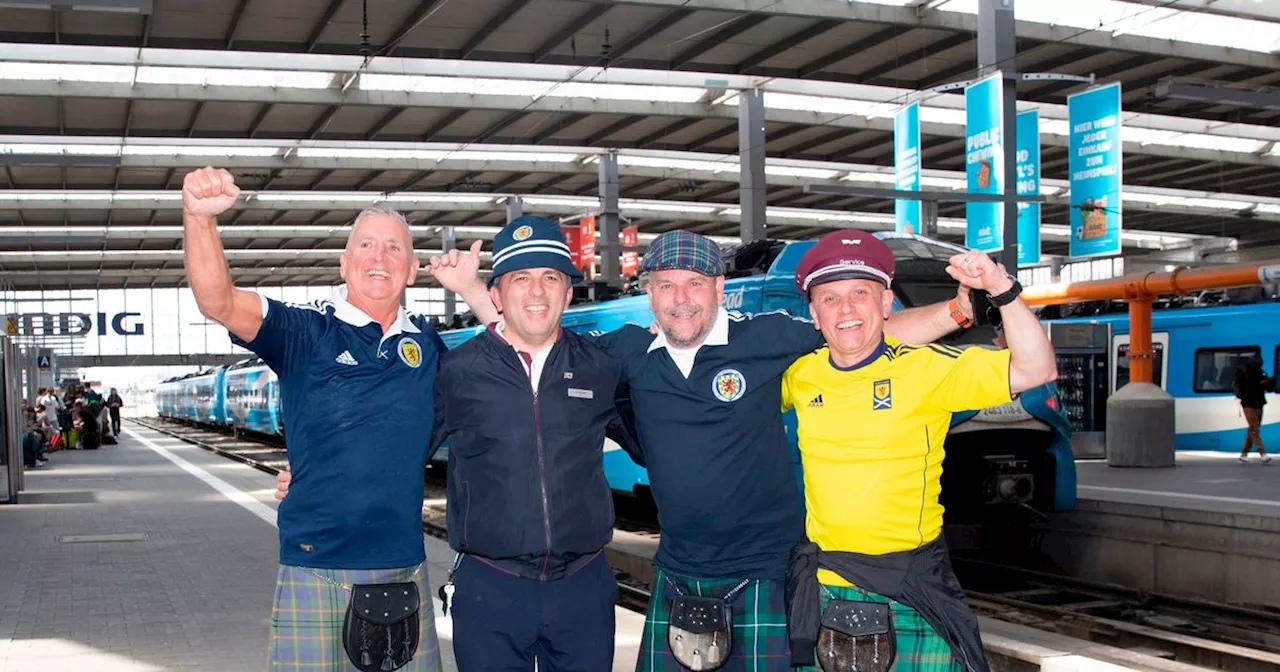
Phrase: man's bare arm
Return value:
(927, 324)
(207, 193)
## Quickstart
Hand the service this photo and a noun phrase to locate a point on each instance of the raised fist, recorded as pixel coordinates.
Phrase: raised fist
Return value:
(209, 191)
(979, 271)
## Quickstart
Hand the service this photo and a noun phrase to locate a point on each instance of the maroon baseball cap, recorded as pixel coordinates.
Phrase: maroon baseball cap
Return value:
(845, 255)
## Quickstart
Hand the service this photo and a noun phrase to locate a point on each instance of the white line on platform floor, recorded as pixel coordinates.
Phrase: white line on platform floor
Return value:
(226, 489)
(1177, 495)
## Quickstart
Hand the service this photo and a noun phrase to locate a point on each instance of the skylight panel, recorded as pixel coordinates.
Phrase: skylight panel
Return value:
(530, 88)
(66, 72)
(235, 77)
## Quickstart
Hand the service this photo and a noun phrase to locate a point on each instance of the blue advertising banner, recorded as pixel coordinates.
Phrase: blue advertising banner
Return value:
(984, 162)
(1028, 185)
(906, 167)
(1094, 163)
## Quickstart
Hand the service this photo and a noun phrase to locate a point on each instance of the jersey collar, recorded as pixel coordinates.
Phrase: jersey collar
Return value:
(343, 310)
(875, 354)
(719, 334)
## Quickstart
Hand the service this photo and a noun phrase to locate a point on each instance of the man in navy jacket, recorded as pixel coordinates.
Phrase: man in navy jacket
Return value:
(526, 406)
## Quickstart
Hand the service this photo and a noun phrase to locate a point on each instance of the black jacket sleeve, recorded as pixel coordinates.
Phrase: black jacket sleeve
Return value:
(441, 430)
(622, 427)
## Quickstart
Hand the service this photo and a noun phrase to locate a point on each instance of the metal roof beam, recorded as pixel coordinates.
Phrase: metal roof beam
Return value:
(868, 12)
(640, 108)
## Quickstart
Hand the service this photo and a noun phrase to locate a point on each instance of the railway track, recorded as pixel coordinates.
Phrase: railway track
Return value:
(1210, 635)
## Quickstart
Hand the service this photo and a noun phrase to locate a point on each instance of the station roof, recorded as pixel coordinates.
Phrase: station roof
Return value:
(464, 104)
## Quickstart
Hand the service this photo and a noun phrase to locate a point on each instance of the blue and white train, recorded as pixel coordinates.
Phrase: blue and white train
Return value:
(1196, 352)
(245, 395)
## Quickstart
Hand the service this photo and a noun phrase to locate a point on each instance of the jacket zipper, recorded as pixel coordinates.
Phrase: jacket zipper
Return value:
(542, 468)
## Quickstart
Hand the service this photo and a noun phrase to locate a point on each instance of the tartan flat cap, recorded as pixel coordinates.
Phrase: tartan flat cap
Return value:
(683, 250)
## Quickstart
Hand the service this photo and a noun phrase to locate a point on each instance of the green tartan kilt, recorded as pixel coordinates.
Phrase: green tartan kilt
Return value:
(919, 647)
(306, 620)
(759, 610)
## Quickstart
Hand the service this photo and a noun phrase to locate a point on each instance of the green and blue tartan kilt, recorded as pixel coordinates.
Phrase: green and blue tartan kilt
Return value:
(306, 620)
(919, 647)
(760, 641)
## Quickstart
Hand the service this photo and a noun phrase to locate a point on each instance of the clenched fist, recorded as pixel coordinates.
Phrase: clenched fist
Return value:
(978, 271)
(209, 191)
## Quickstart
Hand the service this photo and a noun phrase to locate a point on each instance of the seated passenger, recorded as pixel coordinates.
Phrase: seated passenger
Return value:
(872, 584)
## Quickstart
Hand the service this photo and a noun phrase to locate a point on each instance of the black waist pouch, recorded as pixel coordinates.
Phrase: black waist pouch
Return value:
(856, 636)
(380, 631)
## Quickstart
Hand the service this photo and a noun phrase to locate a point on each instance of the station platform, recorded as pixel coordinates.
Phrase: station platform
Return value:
(155, 554)
(1207, 528)
(1203, 480)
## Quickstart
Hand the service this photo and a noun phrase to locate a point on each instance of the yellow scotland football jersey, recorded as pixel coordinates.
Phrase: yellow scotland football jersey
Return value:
(871, 440)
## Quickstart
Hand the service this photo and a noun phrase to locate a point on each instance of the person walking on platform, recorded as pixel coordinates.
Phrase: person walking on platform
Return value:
(351, 539)
(706, 394)
(114, 402)
(1251, 386)
(871, 586)
(526, 407)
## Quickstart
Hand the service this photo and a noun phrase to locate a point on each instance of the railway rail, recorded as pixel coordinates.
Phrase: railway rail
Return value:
(1205, 634)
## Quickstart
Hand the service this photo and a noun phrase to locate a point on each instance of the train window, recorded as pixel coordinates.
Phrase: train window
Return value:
(1216, 367)
(1122, 364)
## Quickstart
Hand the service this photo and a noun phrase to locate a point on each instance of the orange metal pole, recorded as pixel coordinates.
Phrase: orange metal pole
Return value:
(1155, 284)
(1140, 339)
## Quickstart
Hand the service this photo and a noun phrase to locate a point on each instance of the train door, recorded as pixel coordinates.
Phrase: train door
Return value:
(1120, 362)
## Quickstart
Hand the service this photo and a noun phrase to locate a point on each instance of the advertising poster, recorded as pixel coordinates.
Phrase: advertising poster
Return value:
(1028, 185)
(906, 167)
(631, 260)
(984, 162)
(1094, 163)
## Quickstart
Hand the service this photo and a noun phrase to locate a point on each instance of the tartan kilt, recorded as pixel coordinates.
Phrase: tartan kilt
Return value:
(919, 647)
(306, 619)
(760, 640)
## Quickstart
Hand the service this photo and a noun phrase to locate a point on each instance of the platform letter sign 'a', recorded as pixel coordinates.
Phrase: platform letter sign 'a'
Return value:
(1028, 185)
(1094, 161)
(984, 162)
(906, 167)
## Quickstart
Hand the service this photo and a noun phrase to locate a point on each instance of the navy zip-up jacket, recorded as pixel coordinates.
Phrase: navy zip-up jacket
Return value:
(527, 490)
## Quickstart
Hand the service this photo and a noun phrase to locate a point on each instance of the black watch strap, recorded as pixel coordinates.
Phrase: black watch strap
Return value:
(1006, 298)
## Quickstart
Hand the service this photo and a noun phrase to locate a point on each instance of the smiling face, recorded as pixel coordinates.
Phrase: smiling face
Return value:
(685, 304)
(851, 315)
(378, 261)
(531, 301)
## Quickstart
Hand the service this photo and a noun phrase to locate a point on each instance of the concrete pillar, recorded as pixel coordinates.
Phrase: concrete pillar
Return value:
(751, 186)
(1140, 427)
(609, 222)
(450, 241)
(515, 207)
(929, 219)
(997, 49)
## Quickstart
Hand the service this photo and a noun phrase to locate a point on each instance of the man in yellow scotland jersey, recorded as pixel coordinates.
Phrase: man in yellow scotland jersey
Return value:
(872, 584)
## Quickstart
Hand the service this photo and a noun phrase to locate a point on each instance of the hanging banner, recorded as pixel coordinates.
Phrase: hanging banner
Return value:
(631, 260)
(587, 246)
(1095, 158)
(906, 167)
(984, 162)
(1028, 185)
(572, 234)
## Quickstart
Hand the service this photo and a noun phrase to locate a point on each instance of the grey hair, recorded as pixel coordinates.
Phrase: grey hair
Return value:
(379, 210)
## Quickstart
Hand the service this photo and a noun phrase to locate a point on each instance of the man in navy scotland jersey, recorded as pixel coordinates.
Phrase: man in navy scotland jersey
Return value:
(354, 514)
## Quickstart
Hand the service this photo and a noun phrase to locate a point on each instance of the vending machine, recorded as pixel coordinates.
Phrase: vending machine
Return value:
(1082, 351)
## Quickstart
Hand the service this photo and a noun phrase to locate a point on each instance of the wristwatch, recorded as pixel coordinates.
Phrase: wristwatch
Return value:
(1007, 298)
(956, 314)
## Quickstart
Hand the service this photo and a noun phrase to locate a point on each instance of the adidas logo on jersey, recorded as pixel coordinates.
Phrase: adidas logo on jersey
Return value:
(346, 358)
(816, 402)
